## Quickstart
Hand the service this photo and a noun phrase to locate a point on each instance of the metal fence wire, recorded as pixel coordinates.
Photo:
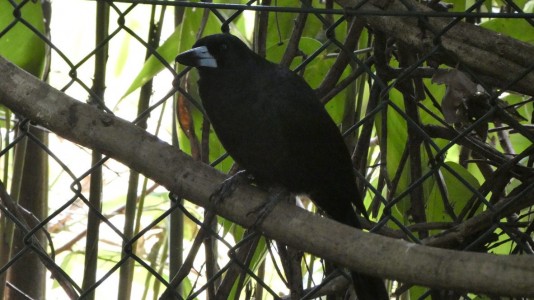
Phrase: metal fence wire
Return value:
(434, 99)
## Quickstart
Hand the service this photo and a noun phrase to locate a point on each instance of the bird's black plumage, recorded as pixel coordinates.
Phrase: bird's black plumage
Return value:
(273, 125)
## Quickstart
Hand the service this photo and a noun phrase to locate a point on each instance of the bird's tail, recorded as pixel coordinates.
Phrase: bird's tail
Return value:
(369, 287)
(366, 287)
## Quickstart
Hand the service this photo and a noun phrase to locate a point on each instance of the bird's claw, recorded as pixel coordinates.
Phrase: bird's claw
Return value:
(264, 209)
(227, 187)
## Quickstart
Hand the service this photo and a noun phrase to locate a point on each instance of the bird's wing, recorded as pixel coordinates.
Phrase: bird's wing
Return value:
(305, 131)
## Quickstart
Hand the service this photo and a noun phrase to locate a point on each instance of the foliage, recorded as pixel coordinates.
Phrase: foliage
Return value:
(420, 184)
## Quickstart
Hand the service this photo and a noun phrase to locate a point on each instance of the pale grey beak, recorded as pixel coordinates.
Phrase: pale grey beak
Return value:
(197, 57)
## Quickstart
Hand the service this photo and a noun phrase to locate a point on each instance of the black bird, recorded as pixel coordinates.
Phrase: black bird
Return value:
(273, 125)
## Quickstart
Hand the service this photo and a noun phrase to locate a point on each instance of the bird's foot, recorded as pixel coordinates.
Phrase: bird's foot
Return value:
(262, 211)
(227, 187)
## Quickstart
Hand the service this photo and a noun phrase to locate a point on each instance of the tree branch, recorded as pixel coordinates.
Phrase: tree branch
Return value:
(368, 253)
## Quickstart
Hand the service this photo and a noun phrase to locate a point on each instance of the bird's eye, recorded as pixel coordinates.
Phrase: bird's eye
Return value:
(224, 47)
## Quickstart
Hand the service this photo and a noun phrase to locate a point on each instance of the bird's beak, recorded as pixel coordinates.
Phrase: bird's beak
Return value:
(197, 57)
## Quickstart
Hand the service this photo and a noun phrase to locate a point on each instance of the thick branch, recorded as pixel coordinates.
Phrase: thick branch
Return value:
(369, 253)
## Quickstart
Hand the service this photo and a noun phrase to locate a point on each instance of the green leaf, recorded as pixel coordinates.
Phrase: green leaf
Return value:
(192, 22)
(458, 193)
(397, 137)
(457, 5)
(280, 26)
(180, 40)
(529, 7)
(516, 28)
(153, 65)
(20, 44)
(415, 292)
(258, 257)
(519, 141)
(315, 70)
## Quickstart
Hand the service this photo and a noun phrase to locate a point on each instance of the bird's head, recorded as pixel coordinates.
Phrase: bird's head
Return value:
(218, 51)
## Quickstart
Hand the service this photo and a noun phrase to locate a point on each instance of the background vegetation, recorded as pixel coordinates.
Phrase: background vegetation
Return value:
(437, 140)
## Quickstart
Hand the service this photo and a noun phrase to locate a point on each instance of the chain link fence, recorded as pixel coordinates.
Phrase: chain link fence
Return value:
(434, 99)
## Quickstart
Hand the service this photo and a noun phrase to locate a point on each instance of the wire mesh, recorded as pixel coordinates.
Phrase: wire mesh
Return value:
(430, 159)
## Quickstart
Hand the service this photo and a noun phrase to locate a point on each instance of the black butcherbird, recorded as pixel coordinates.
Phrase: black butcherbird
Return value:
(273, 125)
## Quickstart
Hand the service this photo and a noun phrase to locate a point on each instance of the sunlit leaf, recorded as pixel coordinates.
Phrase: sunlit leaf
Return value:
(20, 44)
(516, 28)
(457, 193)
(180, 40)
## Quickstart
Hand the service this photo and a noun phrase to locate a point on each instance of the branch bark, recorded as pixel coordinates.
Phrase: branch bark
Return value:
(368, 253)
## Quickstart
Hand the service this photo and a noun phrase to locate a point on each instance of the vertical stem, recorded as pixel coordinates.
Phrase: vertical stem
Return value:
(33, 197)
(176, 227)
(407, 87)
(8, 226)
(95, 190)
(130, 227)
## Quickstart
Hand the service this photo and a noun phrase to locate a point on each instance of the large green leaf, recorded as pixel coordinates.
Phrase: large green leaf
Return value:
(20, 44)
(458, 193)
(187, 33)
(183, 37)
(516, 28)
(315, 71)
(397, 137)
(258, 257)
(168, 50)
